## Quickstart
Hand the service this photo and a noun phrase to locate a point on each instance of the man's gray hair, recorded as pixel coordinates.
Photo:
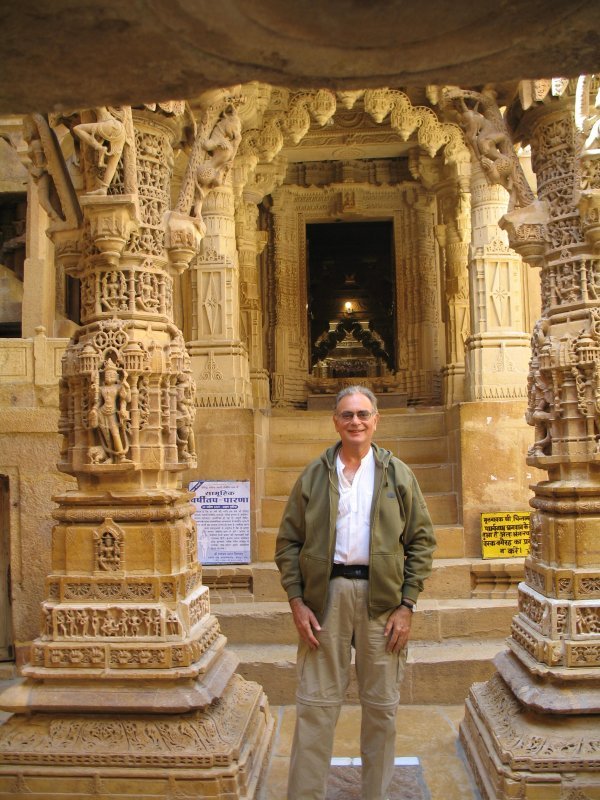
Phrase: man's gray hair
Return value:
(357, 390)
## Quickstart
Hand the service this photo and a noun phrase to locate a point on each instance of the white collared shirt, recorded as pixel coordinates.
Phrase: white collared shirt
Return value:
(353, 525)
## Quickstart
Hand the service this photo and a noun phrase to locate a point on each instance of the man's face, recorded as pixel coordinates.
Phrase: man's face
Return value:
(353, 430)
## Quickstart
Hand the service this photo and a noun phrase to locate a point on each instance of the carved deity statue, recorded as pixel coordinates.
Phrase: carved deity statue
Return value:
(539, 415)
(217, 140)
(488, 138)
(109, 414)
(540, 403)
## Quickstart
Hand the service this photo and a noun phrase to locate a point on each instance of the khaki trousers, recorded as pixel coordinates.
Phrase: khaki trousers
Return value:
(323, 676)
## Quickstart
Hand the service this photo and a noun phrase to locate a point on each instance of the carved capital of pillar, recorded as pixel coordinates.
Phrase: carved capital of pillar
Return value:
(526, 229)
(183, 236)
(111, 219)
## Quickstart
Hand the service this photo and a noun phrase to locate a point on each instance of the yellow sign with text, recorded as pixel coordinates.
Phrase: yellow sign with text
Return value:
(505, 534)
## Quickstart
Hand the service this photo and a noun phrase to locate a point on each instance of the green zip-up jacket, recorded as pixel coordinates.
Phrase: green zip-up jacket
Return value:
(402, 539)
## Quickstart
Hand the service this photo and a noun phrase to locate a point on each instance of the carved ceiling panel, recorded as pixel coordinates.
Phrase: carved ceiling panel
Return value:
(159, 49)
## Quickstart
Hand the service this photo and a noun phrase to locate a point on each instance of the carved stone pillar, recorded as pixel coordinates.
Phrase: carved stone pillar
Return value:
(219, 357)
(498, 349)
(427, 335)
(129, 690)
(289, 335)
(39, 280)
(250, 244)
(453, 235)
(430, 217)
(532, 730)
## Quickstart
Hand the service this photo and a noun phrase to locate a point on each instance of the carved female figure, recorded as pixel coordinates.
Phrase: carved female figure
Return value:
(107, 136)
(221, 146)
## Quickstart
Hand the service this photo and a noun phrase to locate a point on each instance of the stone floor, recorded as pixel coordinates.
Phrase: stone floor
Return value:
(429, 733)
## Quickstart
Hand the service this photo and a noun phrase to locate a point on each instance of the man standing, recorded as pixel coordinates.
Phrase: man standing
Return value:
(354, 547)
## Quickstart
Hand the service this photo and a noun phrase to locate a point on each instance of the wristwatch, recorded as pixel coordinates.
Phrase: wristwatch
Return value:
(408, 604)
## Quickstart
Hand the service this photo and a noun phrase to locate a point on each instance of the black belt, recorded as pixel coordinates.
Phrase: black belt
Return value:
(358, 571)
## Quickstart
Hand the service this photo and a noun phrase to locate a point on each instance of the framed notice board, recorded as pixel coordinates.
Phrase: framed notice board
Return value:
(222, 516)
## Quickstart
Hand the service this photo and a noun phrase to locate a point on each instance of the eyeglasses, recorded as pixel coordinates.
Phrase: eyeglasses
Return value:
(363, 416)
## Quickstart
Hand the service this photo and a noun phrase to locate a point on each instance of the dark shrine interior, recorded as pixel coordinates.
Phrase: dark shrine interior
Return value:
(351, 277)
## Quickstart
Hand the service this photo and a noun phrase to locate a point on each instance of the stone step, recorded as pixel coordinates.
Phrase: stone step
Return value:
(436, 674)
(450, 542)
(432, 478)
(451, 579)
(442, 507)
(298, 452)
(309, 425)
(433, 621)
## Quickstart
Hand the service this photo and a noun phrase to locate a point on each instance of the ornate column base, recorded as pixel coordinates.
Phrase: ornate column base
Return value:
(518, 754)
(216, 752)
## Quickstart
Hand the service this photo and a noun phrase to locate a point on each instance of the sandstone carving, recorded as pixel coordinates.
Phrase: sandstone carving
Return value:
(126, 609)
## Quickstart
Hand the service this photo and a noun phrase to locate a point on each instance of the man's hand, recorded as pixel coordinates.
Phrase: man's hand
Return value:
(397, 629)
(305, 622)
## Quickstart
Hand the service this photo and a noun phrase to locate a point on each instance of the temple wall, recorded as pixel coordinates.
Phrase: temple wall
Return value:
(29, 451)
(491, 439)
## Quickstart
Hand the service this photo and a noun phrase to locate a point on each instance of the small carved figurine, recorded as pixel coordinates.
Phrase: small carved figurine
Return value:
(185, 419)
(539, 414)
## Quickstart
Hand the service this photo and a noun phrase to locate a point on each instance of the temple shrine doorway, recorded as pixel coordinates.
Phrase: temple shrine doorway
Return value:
(351, 291)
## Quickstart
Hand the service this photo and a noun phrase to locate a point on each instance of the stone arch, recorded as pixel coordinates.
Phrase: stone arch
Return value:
(260, 169)
(262, 145)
